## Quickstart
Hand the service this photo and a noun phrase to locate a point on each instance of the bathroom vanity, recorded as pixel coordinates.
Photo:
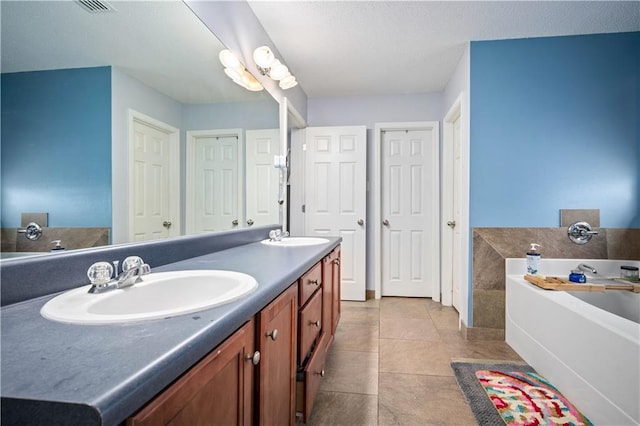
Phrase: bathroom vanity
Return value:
(257, 360)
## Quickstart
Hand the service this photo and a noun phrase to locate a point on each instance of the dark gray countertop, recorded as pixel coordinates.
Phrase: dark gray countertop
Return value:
(55, 373)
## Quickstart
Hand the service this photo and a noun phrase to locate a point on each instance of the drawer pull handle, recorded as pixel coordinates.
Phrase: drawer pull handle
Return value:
(255, 358)
(316, 323)
(320, 373)
(314, 282)
(337, 261)
(273, 334)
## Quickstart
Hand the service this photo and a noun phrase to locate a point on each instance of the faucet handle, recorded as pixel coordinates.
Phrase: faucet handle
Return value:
(100, 273)
(131, 262)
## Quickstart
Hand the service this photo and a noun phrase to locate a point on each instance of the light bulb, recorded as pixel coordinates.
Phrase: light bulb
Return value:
(229, 60)
(263, 57)
(250, 83)
(288, 82)
(278, 71)
(233, 75)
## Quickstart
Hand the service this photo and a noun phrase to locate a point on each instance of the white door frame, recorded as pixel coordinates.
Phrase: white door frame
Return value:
(461, 106)
(448, 192)
(174, 170)
(190, 178)
(376, 196)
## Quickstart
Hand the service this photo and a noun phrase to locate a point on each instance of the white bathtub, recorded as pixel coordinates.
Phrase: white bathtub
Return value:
(591, 355)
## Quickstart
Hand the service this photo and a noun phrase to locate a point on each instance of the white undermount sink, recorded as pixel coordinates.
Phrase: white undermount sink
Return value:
(296, 241)
(159, 295)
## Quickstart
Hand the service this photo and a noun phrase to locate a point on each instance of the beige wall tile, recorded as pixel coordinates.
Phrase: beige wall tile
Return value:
(569, 216)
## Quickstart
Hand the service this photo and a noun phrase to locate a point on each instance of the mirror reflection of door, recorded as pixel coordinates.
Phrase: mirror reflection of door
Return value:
(214, 167)
(154, 171)
(262, 177)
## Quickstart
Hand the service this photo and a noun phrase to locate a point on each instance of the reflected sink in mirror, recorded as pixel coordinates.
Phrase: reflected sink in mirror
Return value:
(159, 295)
(296, 241)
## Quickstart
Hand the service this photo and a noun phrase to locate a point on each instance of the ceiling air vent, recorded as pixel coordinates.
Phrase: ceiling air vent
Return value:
(96, 6)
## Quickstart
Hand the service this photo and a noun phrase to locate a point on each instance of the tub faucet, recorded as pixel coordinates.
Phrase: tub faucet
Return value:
(586, 268)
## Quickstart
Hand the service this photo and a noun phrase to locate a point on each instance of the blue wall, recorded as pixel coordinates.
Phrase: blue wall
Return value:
(554, 125)
(56, 146)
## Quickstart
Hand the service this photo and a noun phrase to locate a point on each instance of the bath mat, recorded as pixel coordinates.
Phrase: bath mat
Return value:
(526, 398)
(480, 404)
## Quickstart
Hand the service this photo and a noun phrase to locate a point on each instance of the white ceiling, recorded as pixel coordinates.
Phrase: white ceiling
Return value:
(335, 48)
(350, 48)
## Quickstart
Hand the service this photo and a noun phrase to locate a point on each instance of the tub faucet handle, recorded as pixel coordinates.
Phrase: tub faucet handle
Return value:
(581, 232)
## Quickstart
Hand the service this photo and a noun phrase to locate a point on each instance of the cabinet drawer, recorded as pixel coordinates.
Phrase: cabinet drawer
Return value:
(310, 325)
(313, 376)
(309, 283)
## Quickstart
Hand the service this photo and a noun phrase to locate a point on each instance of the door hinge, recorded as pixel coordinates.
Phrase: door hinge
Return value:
(304, 208)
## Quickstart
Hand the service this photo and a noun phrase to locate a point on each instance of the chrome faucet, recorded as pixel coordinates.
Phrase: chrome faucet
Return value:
(277, 235)
(586, 268)
(100, 274)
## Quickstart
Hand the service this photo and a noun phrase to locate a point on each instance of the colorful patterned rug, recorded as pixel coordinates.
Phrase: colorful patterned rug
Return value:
(527, 399)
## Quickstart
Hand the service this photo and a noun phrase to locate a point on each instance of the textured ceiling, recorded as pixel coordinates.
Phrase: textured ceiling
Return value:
(335, 48)
(347, 48)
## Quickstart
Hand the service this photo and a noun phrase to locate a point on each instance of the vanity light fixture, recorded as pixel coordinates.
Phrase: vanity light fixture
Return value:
(270, 66)
(236, 71)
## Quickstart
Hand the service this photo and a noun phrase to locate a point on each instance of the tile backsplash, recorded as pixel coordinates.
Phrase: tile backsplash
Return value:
(71, 238)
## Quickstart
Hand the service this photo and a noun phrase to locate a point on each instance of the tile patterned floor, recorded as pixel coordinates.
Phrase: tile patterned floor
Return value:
(389, 365)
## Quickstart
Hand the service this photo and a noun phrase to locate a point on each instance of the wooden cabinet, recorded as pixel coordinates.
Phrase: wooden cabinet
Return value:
(276, 339)
(318, 320)
(268, 369)
(331, 291)
(196, 397)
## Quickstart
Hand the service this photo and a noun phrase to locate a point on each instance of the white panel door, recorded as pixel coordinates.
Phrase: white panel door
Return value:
(262, 177)
(216, 188)
(151, 192)
(335, 197)
(410, 210)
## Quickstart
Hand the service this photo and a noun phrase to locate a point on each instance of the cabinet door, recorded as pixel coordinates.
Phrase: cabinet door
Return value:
(335, 308)
(216, 391)
(276, 339)
(327, 294)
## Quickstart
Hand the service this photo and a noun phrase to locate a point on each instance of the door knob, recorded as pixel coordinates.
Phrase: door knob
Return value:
(250, 222)
(385, 222)
(166, 224)
(451, 224)
(360, 222)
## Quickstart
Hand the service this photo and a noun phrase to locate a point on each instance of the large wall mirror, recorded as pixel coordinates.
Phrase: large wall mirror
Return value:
(124, 120)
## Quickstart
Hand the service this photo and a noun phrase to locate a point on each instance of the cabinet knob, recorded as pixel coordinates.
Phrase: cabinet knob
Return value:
(273, 334)
(316, 323)
(337, 261)
(255, 358)
(314, 282)
(250, 222)
(320, 373)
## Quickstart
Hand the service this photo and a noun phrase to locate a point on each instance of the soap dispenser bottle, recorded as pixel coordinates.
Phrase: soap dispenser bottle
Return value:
(58, 246)
(533, 259)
